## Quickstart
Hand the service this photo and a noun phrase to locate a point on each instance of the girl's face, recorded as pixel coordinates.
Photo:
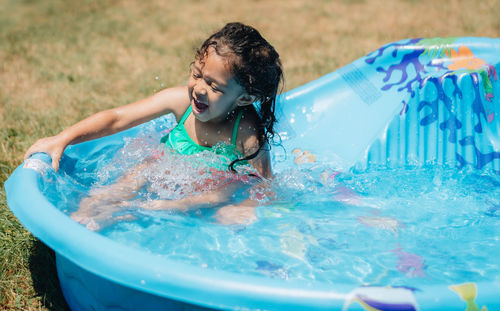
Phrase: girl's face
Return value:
(213, 91)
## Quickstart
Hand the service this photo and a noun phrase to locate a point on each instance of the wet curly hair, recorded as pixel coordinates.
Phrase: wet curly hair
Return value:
(256, 66)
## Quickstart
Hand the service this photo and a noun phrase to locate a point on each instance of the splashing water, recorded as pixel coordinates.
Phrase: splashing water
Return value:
(408, 226)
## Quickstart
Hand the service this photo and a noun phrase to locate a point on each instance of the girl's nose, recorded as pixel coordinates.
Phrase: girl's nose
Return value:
(199, 89)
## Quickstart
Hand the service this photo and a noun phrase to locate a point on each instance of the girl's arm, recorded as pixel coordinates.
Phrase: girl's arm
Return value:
(113, 120)
(227, 214)
(262, 162)
(248, 143)
(203, 200)
(244, 212)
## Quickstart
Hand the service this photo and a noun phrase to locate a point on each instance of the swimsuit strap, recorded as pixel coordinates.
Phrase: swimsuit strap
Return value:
(235, 128)
(186, 115)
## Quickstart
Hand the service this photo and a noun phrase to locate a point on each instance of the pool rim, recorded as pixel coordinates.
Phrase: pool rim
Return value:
(171, 279)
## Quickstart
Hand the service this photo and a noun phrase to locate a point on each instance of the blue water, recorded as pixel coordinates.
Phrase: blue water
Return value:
(409, 226)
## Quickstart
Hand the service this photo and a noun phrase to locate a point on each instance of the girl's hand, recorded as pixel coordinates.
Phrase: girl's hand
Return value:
(50, 145)
(241, 214)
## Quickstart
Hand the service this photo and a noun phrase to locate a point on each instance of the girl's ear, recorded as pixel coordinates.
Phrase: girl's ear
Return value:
(245, 100)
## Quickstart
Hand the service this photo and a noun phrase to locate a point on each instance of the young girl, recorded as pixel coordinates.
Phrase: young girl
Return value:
(234, 68)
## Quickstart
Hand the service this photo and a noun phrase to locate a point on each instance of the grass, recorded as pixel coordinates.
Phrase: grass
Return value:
(63, 60)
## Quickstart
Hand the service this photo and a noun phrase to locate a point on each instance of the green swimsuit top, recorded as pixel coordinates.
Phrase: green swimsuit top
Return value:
(178, 139)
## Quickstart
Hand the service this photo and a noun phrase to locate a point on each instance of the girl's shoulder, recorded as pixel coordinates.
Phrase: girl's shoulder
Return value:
(248, 132)
(251, 140)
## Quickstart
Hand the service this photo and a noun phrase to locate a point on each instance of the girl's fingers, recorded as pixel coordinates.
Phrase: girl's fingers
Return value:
(55, 161)
(29, 153)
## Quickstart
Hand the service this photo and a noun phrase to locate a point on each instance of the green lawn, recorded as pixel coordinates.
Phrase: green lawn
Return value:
(63, 60)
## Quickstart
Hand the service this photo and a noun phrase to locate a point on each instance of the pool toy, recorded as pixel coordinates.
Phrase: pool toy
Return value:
(468, 292)
(415, 102)
(382, 298)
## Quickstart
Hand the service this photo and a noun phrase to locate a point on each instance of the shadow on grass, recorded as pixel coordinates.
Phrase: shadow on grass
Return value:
(42, 265)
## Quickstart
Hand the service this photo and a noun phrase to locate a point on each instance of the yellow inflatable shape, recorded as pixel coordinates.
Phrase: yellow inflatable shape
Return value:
(468, 293)
(302, 157)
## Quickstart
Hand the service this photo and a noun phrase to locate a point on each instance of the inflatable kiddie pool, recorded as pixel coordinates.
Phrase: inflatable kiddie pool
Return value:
(412, 103)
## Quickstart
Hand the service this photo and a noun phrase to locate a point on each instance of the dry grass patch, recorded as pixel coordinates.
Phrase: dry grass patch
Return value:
(63, 60)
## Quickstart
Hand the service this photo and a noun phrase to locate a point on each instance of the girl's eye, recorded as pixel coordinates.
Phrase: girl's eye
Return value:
(196, 75)
(215, 89)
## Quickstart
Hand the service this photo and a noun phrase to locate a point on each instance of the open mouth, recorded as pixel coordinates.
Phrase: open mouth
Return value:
(200, 106)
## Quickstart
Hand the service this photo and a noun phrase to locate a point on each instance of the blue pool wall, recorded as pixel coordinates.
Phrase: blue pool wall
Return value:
(410, 103)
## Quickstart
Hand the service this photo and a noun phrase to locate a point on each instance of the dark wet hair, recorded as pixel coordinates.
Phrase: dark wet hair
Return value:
(256, 67)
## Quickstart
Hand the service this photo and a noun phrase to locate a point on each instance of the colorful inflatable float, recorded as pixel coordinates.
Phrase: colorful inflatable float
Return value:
(413, 103)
